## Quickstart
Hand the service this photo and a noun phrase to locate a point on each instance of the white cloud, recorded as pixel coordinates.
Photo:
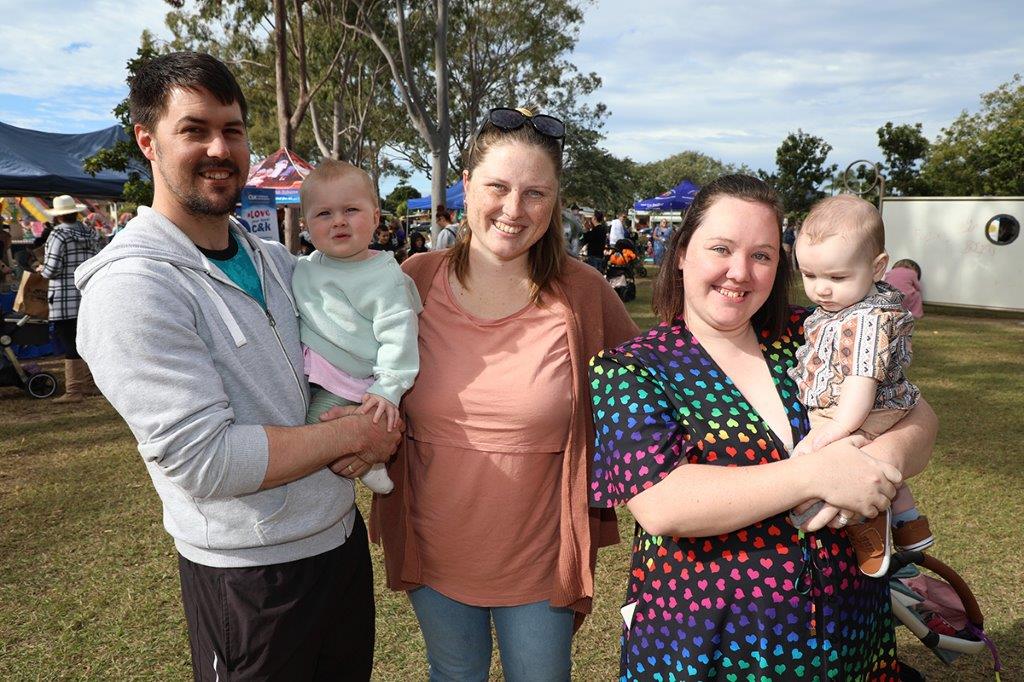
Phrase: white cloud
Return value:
(101, 34)
(733, 79)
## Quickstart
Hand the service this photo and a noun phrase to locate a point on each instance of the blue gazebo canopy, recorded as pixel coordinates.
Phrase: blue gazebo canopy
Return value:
(37, 163)
(678, 198)
(454, 199)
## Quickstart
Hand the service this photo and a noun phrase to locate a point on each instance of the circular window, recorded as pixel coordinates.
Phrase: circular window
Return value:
(1002, 229)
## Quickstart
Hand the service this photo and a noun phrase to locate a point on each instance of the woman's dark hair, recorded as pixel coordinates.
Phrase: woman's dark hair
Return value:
(547, 256)
(153, 82)
(669, 297)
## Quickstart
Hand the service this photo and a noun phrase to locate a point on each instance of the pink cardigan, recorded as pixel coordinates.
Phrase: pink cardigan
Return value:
(596, 320)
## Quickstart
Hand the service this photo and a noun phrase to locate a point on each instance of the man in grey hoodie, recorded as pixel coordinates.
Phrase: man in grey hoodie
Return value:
(191, 331)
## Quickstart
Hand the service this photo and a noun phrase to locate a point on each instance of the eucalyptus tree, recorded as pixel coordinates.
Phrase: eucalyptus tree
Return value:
(394, 33)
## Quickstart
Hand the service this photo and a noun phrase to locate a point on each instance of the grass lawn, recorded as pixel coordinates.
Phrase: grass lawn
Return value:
(88, 577)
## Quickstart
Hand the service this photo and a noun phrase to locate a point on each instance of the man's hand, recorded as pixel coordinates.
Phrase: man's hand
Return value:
(350, 466)
(374, 442)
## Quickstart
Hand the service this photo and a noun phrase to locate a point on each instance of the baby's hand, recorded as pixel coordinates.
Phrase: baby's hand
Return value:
(824, 435)
(380, 407)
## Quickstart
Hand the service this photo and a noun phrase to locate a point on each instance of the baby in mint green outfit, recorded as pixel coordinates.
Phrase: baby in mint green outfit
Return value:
(358, 310)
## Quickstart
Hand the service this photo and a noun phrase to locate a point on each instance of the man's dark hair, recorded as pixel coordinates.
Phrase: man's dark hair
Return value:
(153, 82)
(598, 216)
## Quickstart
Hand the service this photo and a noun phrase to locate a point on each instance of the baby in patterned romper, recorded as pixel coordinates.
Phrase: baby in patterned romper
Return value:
(851, 370)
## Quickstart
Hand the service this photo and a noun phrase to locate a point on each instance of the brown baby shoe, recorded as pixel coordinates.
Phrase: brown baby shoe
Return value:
(913, 535)
(872, 540)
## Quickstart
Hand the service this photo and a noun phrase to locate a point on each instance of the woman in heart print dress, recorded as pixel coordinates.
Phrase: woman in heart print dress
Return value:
(694, 421)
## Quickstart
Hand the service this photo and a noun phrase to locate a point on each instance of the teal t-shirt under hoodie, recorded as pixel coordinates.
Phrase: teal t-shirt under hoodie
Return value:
(236, 263)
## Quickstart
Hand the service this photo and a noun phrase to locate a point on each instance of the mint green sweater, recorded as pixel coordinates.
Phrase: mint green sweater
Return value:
(361, 317)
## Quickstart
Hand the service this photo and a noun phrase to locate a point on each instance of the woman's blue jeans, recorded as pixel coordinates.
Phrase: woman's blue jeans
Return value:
(534, 640)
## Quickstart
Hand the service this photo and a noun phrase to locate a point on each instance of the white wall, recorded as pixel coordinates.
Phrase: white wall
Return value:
(959, 265)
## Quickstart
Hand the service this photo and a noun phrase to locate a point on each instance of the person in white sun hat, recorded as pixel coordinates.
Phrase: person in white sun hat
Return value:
(70, 244)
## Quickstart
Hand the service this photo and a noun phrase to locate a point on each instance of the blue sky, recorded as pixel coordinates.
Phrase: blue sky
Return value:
(727, 79)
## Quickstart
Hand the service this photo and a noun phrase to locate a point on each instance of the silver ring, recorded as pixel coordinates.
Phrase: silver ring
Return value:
(842, 520)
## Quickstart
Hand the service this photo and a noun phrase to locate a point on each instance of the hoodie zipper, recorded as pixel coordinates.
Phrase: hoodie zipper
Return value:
(270, 318)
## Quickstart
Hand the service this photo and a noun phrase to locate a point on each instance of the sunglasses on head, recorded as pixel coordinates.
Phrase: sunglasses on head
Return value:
(504, 118)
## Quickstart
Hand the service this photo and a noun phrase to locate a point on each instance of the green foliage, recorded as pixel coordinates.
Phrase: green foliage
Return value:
(982, 154)
(399, 196)
(904, 148)
(801, 171)
(125, 155)
(594, 177)
(656, 177)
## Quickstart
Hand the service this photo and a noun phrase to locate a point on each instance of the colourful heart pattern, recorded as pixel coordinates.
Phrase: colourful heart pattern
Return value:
(762, 603)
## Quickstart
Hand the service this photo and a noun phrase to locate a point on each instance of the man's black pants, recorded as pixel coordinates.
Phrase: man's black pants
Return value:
(311, 619)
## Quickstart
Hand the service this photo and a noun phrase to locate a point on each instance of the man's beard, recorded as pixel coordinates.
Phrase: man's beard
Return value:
(197, 204)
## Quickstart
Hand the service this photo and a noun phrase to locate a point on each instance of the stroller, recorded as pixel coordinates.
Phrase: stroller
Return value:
(24, 331)
(620, 270)
(943, 614)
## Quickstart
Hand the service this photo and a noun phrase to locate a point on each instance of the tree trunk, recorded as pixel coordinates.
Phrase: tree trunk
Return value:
(442, 137)
(285, 132)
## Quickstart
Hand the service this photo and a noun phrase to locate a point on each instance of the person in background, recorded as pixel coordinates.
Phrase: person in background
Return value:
(788, 239)
(595, 239)
(417, 244)
(6, 262)
(398, 235)
(70, 244)
(488, 522)
(447, 231)
(905, 276)
(662, 233)
(382, 240)
(617, 229)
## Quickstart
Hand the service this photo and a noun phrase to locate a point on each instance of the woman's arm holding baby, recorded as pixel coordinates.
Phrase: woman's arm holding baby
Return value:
(908, 445)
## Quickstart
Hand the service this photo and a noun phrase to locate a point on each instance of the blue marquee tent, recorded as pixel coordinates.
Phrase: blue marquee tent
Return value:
(678, 198)
(454, 199)
(46, 164)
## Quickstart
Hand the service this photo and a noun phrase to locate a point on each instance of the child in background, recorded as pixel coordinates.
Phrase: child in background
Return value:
(906, 276)
(851, 371)
(357, 308)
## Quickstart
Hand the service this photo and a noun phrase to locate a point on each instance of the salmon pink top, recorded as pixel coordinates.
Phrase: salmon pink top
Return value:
(488, 423)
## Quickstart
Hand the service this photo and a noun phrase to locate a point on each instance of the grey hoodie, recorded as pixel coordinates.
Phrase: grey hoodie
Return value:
(196, 367)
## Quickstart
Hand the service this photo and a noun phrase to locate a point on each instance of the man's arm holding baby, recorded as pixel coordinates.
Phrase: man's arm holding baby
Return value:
(344, 440)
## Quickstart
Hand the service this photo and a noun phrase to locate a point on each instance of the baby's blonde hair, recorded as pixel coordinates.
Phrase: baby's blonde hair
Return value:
(849, 216)
(329, 170)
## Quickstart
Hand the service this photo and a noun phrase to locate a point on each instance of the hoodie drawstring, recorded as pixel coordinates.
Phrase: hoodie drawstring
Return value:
(222, 308)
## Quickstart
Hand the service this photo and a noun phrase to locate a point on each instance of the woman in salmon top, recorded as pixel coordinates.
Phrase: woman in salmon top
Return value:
(489, 519)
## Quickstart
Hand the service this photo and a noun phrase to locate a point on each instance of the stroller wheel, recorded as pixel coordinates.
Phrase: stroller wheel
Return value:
(641, 271)
(41, 385)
